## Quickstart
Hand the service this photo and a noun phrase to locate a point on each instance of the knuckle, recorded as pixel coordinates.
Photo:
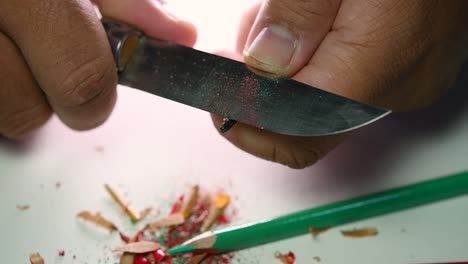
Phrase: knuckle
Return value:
(20, 122)
(86, 82)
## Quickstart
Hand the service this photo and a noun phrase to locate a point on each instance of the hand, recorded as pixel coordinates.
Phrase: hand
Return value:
(401, 55)
(55, 57)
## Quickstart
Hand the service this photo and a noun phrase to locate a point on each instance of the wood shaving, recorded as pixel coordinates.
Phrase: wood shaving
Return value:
(35, 258)
(317, 258)
(220, 202)
(118, 198)
(170, 220)
(145, 212)
(23, 207)
(126, 258)
(124, 237)
(361, 232)
(319, 231)
(98, 220)
(138, 247)
(187, 207)
(196, 258)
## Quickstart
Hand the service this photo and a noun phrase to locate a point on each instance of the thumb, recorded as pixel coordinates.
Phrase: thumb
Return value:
(286, 33)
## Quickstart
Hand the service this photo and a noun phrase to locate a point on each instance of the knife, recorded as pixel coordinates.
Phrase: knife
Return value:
(230, 89)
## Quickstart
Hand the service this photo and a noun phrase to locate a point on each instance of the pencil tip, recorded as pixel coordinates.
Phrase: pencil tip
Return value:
(180, 249)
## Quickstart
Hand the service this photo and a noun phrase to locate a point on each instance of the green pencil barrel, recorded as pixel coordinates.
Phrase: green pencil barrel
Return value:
(341, 212)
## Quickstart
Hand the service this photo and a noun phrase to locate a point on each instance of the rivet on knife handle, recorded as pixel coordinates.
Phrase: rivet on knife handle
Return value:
(123, 41)
(230, 89)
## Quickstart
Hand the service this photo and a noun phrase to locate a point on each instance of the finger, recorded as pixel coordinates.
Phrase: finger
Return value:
(282, 39)
(151, 17)
(23, 106)
(295, 152)
(68, 53)
(286, 33)
(382, 54)
(245, 25)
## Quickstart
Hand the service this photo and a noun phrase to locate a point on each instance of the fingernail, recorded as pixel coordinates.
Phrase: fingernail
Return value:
(272, 50)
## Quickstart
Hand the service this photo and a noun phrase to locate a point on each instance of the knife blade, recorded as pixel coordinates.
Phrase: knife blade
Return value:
(230, 89)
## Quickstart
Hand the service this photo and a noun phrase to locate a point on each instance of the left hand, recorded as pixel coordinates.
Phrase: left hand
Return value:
(55, 58)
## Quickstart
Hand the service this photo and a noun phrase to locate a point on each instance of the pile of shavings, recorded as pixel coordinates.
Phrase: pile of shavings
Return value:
(190, 215)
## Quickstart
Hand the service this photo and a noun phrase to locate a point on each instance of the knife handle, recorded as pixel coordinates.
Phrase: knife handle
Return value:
(123, 40)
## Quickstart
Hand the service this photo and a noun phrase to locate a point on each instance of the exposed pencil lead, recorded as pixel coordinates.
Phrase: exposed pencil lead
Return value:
(227, 125)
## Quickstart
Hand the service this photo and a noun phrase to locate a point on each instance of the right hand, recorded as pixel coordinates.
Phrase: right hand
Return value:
(400, 55)
(55, 57)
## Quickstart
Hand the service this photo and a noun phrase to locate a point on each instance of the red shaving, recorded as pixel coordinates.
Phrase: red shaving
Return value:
(61, 253)
(223, 220)
(158, 255)
(124, 238)
(138, 237)
(139, 259)
(288, 258)
(176, 206)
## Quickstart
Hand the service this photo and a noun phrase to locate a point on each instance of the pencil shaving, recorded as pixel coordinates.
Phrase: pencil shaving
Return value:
(315, 232)
(189, 203)
(118, 198)
(35, 258)
(196, 259)
(145, 212)
(126, 258)
(156, 256)
(222, 200)
(220, 203)
(138, 247)
(361, 232)
(98, 220)
(124, 237)
(288, 258)
(317, 259)
(23, 207)
(170, 220)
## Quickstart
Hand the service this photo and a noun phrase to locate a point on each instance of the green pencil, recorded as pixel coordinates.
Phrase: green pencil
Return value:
(338, 213)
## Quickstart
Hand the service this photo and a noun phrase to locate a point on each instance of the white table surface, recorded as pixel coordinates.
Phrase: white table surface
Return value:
(155, 149)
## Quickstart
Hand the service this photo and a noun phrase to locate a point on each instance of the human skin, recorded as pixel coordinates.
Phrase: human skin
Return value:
(55, 57)
(401, 55)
